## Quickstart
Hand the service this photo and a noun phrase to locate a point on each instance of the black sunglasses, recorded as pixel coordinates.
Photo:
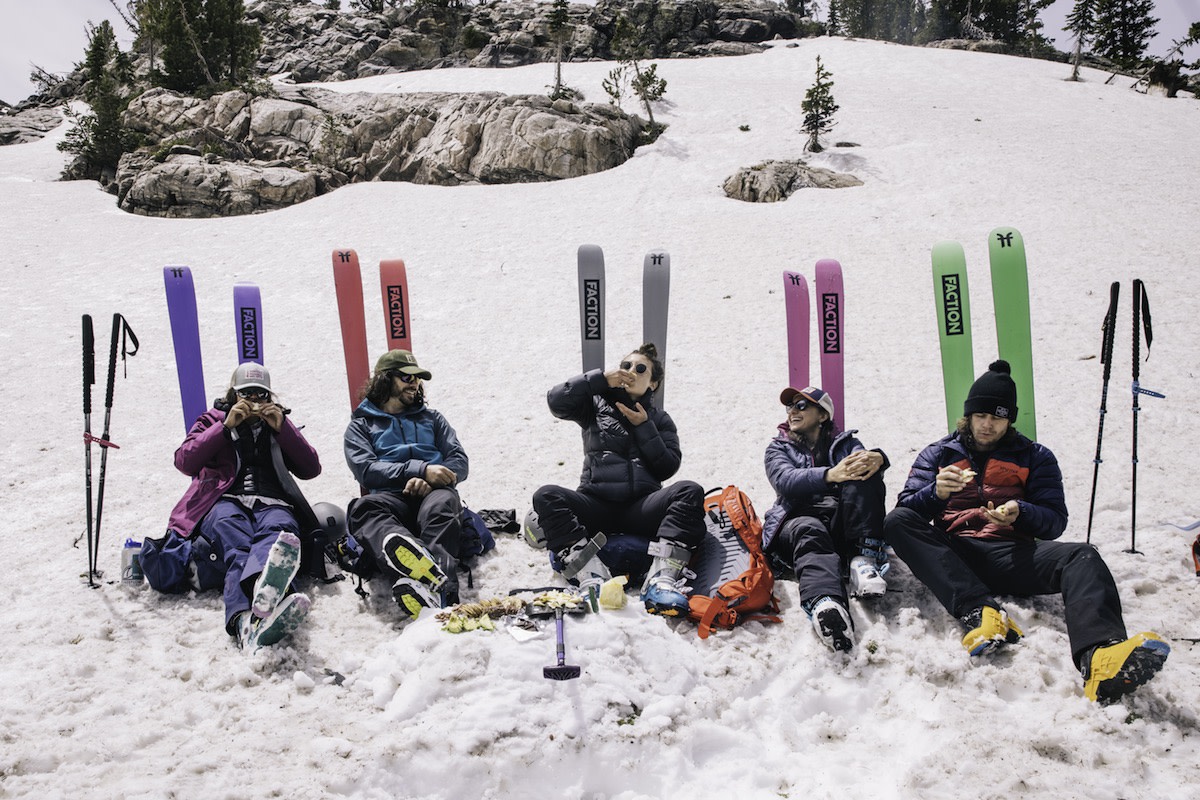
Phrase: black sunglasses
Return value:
(639, 368)
(405, 377)
(799, 405)
(254, 393)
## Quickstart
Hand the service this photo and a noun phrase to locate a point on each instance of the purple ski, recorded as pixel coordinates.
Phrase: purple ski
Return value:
(795, 303)
(185, 333)
(247, 312)
(830, 307)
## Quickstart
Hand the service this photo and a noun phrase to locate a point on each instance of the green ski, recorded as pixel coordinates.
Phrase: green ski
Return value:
(954, 326)
(1010, 293)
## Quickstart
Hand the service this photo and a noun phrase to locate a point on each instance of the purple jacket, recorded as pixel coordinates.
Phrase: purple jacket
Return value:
(207, 455)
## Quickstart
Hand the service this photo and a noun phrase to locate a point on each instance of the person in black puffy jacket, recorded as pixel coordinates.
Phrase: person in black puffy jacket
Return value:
(630, 447)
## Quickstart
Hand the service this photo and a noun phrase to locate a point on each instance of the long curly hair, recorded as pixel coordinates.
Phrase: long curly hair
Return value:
(378, 388)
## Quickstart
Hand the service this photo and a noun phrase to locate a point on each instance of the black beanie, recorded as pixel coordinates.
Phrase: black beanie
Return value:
(993, 393)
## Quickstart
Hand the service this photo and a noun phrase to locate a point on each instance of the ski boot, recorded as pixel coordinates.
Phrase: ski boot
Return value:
(661, 591)
(988, 628)
(831, 620)
(253, 632)
(581, 565)
(283, 562)
(1116, 669)
(868, 568)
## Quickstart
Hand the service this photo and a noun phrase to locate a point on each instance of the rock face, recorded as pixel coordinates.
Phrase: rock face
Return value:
(772, 181)
(307, 43)
(237, 154)
(28, 124)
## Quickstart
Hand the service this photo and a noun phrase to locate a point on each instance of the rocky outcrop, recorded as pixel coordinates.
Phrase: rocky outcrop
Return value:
(28, 124)
(306, 42)
(237, 154)
(772, 181)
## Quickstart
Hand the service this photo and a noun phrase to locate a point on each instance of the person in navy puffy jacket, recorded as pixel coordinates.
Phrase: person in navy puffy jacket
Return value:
(827, 520)
(979, 517)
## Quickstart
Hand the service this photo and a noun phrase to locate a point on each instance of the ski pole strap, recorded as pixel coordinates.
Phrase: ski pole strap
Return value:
(89, 438)
(89, 363)
(1146, 317)
(128, 337)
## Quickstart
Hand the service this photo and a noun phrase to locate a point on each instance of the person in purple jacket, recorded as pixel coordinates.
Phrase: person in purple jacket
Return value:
(827, 520)
(978, 517)
(241, 455)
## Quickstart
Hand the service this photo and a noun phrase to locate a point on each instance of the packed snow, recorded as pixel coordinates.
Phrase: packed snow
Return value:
(123, 692)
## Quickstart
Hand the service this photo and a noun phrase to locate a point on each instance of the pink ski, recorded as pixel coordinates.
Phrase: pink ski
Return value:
(795, 303)
(830, 307)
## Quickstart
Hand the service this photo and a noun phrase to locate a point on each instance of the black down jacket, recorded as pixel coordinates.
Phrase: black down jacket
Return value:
(621, 462)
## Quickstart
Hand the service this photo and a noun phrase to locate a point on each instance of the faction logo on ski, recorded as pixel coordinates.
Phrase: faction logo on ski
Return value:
(1005, 239)
(249, 334)
(592, 325)
(952, 301)
(397, 321)
(831, 324)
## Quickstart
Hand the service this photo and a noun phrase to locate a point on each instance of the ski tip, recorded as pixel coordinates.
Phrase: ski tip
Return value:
(1005, 236)
(590, 249)
(828, 263)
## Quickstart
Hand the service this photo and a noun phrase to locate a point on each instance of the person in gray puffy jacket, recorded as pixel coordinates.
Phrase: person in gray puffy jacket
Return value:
(630, 446)
(408, 459)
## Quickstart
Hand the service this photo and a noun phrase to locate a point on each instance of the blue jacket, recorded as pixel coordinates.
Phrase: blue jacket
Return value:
(621, 462)
(797, 480)
(1018, 469)
(385, 450)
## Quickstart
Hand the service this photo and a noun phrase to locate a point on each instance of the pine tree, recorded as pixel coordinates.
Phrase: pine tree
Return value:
(207, 44)
(1081, 22)
(818, 108)
(99, 135)
(1124, 29)
(629, 48)
(560, 26)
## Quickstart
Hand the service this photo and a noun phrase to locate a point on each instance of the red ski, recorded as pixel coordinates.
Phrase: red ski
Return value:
(347, 281)
(393, 286)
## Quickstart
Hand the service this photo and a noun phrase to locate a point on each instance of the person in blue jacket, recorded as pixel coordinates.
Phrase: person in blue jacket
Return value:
(828, 512)
(630, 447)
(408, 459)
(978, 517)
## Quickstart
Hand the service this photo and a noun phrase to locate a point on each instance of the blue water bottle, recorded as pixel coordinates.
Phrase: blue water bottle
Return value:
(131, 562)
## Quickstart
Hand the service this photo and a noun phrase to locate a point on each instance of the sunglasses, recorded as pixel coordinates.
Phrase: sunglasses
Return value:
(639, 368)
(799, 405)
(254, 393)
(405, 377)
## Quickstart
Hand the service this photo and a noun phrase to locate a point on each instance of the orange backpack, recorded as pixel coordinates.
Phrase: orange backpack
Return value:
(732, 578)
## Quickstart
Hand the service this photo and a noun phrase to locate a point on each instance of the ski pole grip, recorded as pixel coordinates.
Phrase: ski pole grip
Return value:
(112, 360)
(89, 362)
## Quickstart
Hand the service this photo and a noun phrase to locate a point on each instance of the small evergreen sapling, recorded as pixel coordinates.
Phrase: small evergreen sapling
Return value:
(819, 108)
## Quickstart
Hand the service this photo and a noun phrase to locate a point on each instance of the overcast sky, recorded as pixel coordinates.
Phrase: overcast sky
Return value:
(53, 34)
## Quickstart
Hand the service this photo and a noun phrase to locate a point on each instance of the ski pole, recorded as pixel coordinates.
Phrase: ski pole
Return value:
(1141, 319)
(121, 332)
(89, 377)
(1106, 348)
